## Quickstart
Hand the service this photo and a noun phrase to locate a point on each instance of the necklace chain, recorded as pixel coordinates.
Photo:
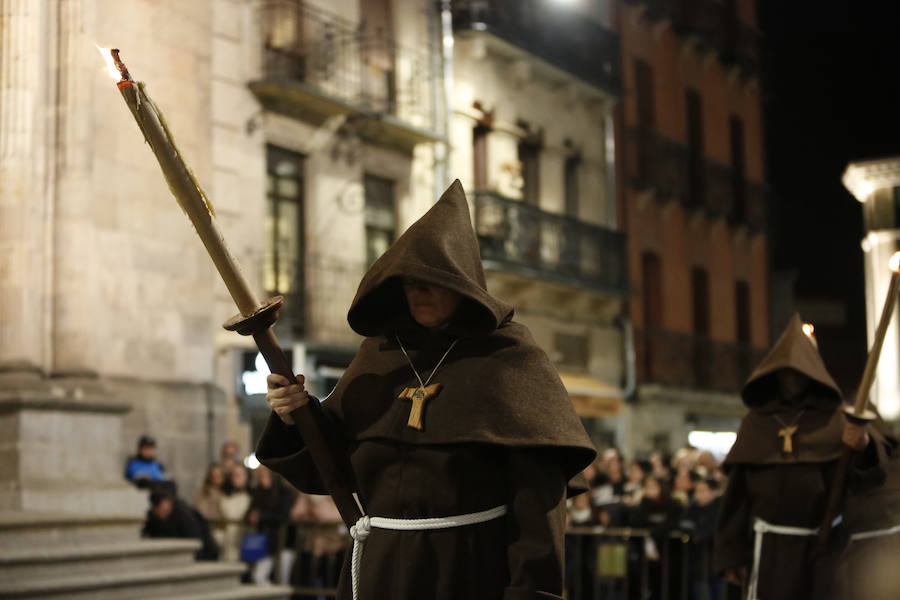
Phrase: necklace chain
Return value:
(422, 384)
(794, 422)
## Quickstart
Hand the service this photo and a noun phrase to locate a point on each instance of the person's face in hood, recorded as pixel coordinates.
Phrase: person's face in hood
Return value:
(791, 383)
(430, 305)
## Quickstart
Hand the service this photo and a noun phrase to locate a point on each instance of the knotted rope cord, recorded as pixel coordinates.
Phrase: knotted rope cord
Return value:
(360, 531)
(761, 528)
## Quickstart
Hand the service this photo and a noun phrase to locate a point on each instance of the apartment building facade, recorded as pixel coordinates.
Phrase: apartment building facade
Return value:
(692, 199)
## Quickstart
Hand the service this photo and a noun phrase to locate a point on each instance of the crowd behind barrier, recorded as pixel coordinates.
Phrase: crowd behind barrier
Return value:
(643, 530)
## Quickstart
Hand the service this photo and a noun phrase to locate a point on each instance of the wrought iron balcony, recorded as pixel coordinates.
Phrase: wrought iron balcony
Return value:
(688, 361)
(657, 163)
(317, 64)
(560, 36)
(518, 237)
(713, 26)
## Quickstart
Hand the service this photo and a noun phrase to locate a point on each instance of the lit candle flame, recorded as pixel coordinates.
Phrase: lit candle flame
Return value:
(809, 330)
(110, 64)
(894, 263)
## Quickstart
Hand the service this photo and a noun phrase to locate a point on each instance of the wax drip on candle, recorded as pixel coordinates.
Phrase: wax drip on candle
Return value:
(142, 100)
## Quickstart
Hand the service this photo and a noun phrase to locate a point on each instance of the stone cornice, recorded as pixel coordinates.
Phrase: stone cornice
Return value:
(862, 178)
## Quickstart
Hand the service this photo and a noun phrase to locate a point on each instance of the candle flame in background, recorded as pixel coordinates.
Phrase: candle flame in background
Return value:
(809, 330)
(110, 64)
(894, 263)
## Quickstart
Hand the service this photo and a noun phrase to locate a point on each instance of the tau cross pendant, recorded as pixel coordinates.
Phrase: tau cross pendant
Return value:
(787, 433)
(419, 396)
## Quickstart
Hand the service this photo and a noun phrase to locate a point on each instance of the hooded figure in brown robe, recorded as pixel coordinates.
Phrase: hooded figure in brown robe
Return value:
(780, 470)
(500, 430)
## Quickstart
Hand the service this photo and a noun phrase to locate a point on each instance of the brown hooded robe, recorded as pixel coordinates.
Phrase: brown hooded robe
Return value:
(788, 489)
(501, 431)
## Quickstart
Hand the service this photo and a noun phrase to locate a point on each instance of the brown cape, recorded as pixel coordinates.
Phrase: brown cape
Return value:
(818, 437)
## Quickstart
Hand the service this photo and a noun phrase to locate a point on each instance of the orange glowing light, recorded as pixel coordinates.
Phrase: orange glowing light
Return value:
(110, 64)
(809, 330)
(894, 263)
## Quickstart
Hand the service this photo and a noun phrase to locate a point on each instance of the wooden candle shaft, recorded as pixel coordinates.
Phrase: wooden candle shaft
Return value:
(188, 194)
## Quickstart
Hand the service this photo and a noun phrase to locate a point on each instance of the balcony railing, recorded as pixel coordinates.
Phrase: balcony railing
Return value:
(713, 26)
(666, 167)
(519, 237)
(684, 360)
(342, 62)
(315, 303)
(563, 38)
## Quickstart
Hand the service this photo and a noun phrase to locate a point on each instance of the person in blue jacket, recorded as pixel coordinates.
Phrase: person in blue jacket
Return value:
(143, 468)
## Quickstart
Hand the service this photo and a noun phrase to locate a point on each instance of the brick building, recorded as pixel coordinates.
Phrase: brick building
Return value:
(692, 200)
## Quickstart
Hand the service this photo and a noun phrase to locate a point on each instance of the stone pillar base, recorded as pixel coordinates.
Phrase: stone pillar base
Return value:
(60, 447)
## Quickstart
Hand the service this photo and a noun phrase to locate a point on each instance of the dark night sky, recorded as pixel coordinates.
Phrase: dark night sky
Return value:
(831, 95)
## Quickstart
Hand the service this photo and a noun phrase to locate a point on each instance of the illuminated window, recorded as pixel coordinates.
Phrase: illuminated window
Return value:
(282, 271)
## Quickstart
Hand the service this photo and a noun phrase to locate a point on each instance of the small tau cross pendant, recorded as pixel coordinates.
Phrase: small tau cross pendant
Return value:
(419, 396)
(787, 433)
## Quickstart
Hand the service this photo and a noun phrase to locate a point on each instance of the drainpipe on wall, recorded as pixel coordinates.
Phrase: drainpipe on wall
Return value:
(442, 149)
(628, 357)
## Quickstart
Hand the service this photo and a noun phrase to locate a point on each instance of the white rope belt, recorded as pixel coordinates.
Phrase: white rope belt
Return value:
(360, 532)
(865, 535)
(761, 528)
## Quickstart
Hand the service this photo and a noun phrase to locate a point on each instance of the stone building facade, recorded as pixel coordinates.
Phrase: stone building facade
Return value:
(320, 131)
(532, 138)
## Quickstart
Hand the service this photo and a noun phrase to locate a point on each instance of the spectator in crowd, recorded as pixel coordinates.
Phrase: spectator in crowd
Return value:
(609, 456)
(634, 486)
(685, 459)
(580, 512)
(707, 465)
(657, 512)
(699, 521)
(659, 466)
(234, 507)
(171, 517)
(208, 499)
(608, 492)
(324, 541)
(270, 504)
(142, 469)
(683, 487)
(229, 458)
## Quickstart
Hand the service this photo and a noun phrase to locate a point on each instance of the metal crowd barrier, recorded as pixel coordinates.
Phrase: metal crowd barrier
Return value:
(610, 563)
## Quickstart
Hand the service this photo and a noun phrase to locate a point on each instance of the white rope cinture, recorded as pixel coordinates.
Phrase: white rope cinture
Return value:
(360, 531)
(761, 528)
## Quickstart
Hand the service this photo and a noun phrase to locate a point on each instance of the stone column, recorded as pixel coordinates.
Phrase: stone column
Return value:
(876, 184)
(24, 202)
(75, 297)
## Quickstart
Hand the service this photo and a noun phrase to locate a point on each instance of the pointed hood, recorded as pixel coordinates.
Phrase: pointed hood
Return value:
(440, 248)
(795, 351)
